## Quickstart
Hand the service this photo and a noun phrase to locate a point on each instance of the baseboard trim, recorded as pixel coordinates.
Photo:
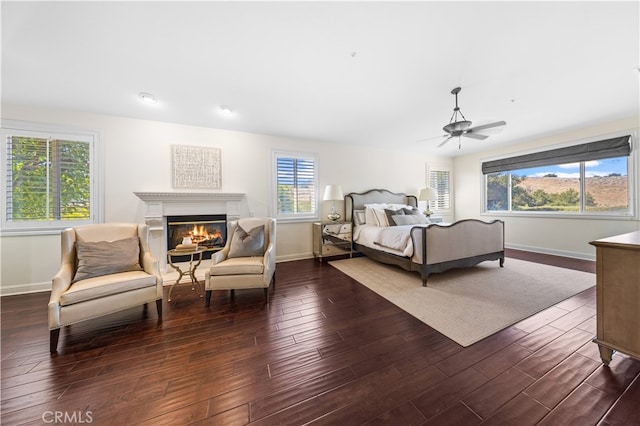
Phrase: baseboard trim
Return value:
(292, 257)
(552, 252)
(13, 290)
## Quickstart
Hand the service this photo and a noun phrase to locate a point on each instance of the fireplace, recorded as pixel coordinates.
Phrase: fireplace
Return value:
(207, 231)
(160, 205)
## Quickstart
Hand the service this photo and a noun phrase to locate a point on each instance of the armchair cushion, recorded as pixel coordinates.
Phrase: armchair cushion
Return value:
(247, 244)
(106, 285)
(97, 258)
(238, 266)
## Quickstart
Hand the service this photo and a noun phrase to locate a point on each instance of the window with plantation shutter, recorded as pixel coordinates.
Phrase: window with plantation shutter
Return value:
(295, 186)
(49, 179)
(439, 178)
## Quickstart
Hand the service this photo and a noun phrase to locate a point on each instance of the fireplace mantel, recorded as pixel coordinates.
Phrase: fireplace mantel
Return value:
(162, 204)
(189, 196)
(159, 205)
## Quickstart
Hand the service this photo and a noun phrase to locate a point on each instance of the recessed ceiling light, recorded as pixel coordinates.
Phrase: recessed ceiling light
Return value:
(226, 110)
(147, 98)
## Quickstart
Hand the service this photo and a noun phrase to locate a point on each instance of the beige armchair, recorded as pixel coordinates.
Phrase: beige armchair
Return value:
(105, 268)
(248, 259)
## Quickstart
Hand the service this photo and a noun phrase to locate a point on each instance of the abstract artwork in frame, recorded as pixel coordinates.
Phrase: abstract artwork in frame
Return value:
(196, 167)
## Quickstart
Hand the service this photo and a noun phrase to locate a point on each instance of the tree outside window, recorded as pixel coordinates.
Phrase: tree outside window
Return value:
(50, 180)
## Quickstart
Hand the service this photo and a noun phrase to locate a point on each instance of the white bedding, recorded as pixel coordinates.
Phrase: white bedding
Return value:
(390, 239)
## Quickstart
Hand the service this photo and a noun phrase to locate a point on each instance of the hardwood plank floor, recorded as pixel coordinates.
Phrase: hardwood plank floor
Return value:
(326, 350)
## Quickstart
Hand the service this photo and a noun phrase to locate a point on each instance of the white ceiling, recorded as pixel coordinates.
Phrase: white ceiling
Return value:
(369, 73)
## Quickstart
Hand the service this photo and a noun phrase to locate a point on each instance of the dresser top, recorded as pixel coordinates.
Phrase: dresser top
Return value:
(630, 240)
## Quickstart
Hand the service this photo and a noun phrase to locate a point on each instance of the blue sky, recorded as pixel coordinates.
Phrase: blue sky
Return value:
(572, 170)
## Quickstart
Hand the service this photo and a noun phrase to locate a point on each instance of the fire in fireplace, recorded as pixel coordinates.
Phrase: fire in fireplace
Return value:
(207, 231)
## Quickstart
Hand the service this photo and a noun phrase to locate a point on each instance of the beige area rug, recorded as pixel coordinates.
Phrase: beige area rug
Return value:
(470, 304)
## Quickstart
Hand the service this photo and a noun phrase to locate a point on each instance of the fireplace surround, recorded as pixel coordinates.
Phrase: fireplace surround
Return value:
(161, 205)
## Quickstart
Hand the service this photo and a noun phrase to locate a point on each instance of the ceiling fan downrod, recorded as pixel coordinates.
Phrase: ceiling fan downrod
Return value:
(457, 127)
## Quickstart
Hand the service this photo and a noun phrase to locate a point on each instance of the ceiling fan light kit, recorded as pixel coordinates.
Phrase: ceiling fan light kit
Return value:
(457, 126)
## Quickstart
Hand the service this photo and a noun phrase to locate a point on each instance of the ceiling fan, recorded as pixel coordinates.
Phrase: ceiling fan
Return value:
(462, 127)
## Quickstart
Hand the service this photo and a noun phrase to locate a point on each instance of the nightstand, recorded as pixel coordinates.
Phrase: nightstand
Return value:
(435, 219)
(331, 239)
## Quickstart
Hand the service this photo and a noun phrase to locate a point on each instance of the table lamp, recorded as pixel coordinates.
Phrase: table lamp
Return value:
(333, 193)
(428, 194)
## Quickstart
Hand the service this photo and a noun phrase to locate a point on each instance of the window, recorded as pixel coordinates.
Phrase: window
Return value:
(591, 178)
(439, 178)
(50, 177)
(296, 186)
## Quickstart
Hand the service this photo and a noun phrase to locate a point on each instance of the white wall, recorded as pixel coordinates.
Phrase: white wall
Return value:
(137, 157)
(562, 236)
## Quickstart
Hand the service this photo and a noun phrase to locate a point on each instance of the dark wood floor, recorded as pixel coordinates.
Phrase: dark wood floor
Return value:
(326, 350)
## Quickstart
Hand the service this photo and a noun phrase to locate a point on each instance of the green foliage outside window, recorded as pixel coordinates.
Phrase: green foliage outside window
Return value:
(498, 191)
(50, 180)
(523, 199)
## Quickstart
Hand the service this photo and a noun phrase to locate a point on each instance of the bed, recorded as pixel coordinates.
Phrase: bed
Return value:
(413, 244)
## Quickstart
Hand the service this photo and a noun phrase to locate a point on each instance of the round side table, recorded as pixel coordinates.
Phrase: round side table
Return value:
(195, 258)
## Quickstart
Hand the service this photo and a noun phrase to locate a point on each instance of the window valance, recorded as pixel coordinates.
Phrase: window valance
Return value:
(608, 148)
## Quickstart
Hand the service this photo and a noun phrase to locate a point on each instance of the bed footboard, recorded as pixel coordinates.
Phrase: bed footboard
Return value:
(462, 244)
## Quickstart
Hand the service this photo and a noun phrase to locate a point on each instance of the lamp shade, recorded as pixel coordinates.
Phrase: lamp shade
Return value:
(333, 193)
(428, 194)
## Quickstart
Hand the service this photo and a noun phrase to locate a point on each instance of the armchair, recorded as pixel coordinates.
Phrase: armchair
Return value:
(105, 268)
(248, 259)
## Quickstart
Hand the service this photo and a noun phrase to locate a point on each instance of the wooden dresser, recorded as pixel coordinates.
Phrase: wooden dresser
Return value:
(618, 295)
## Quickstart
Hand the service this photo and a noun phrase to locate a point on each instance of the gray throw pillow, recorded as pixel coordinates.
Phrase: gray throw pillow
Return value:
(247, 244)
(411, 211)
(96, 258)
(411, 219)
(391, 214)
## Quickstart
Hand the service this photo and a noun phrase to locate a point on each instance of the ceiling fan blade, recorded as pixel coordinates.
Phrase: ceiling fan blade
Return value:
(445, 141)
(432, 138)
(474, 136)
(487, 126)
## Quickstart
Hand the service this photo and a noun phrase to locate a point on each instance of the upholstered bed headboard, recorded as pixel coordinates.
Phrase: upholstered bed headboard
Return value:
(356, 201)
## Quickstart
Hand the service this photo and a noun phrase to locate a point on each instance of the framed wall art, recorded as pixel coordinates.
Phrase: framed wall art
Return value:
(196, 167)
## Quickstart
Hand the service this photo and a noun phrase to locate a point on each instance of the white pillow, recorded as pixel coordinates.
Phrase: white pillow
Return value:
(399, 206)
(370, 217)
(381, 217)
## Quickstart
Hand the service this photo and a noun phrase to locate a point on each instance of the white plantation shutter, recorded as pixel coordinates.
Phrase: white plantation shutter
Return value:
(295, 186)
(439, 178)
